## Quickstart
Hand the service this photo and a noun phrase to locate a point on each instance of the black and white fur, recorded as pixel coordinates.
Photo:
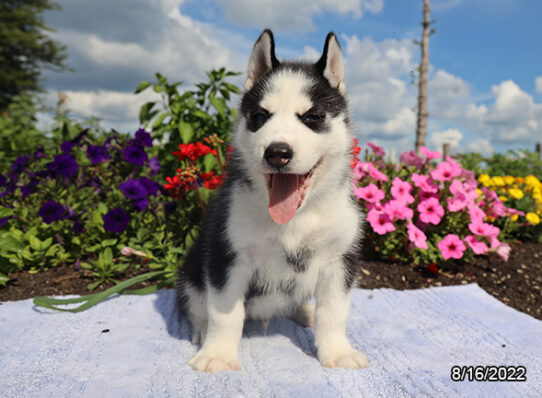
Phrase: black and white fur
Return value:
(244, 264)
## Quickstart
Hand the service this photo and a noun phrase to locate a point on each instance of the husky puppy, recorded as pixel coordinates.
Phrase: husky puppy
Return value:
(283, 229)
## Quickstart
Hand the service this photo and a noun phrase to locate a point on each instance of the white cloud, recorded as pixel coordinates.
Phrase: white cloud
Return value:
(292, 15)
(481, 146)
(538, 84)
(450, 136)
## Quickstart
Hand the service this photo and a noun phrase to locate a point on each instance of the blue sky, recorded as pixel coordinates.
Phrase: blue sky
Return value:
(485, 81)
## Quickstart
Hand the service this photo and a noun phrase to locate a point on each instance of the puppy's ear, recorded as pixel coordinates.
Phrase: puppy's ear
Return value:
(331, 64)
(262, 58)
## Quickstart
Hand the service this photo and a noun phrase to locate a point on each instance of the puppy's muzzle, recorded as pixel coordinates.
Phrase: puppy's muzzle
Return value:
(278, 155)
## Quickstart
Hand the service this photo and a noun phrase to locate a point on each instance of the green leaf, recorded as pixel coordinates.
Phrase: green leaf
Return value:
(5, 212)
(187, 131)
(109, 242)
(10, 243)
(158, 122)
(142, 86)
(35, 243)
(3, 279)
(201, 114)
(144, 112)
(219, 104)
(108, 256)
(93, 299)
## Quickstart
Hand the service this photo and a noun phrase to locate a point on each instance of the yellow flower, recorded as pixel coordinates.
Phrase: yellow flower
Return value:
(498, 181)
(514, 217)
(490, 218)
(532, 181)
(484, 179)
(515, 193)
(503, 198)
(479, 192)
(509, 180)
(532, 218)
(520, 180)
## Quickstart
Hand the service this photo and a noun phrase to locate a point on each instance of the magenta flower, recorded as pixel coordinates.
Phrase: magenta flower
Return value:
(377, 150)
(398, 210)
(481, 228)
(423, 195)
(416, 236)
(375, 174)
(430, 155)
(371, 193)
(360, 171)
(424, 183)
(445, 171)
(380, 222)
(476, 214)
(451, 247)
(431, 211)
(400, 190)
(411, 158)
(503, 251)
(476, 246)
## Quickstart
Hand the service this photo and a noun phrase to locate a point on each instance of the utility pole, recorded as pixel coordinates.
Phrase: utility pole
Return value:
(421, 124)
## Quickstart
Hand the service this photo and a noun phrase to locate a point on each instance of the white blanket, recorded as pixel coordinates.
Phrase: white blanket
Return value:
(136, 346)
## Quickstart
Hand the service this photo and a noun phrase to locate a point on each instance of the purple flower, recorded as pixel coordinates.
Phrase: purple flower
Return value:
(411, 158)
(52, 211)
(143, 138)
(29, 188)
(4, 220)
(149, 185)
(154, 164)
(141, 204)
(67, 146)
(116, 220)
(3, 180)
(20, 163)
(64, 165)
(96, 154)
(40, 153)
(78, 227)
(133, 189)
(135, 154)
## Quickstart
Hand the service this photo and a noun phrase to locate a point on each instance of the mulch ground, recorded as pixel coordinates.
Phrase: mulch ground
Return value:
(516, 283)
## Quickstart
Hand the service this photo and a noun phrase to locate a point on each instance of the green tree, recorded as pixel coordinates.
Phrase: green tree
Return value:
(25, 48)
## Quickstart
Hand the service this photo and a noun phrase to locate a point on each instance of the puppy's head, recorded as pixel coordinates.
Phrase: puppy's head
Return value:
(293, 135)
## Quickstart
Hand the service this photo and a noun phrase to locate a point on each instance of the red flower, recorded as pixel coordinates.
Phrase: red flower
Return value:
(355, 150)
(211, 181)
(192, 151)
(433, 268)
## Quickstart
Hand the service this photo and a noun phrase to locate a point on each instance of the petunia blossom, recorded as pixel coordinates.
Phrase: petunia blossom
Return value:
(424, 183)
(476, 246)
(377, 150)
(416, 236)
(398, 210)
(431, 211)
(371, 193)
(400, 190)
(430, 155)
(451, 247)
(116, 220)
(380, 222)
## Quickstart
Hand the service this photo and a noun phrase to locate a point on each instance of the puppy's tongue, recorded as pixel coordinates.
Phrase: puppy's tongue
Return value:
(284, 197)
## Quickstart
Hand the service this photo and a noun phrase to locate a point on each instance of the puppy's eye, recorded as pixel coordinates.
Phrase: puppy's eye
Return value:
(313, 117)
(260, 116)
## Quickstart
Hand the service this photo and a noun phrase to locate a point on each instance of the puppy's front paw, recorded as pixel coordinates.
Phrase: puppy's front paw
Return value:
(213, 362)
(347, 357)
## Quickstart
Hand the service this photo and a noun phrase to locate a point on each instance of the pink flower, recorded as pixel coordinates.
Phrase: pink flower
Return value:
(431, 211)
(430, 155)
(398, 210)
(503, 251)
(511, 211)
(375, 174)
(476, 246)
(380, 222)
(377, 150)
(360, 171)
(476, 214)
(481, 228)
(423, 195)
(400, 190)
(445, 171)
(416, 236)
(371, 193)
(451, 247)
(411, 158)
(424, 183)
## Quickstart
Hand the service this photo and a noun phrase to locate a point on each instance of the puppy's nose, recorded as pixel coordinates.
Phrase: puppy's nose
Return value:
(278, 154)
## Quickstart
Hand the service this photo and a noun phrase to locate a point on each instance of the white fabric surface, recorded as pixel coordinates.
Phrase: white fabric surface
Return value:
(412, 339)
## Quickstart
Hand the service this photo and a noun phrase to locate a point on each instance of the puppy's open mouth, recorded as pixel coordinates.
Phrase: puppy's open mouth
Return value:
(286, 193)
